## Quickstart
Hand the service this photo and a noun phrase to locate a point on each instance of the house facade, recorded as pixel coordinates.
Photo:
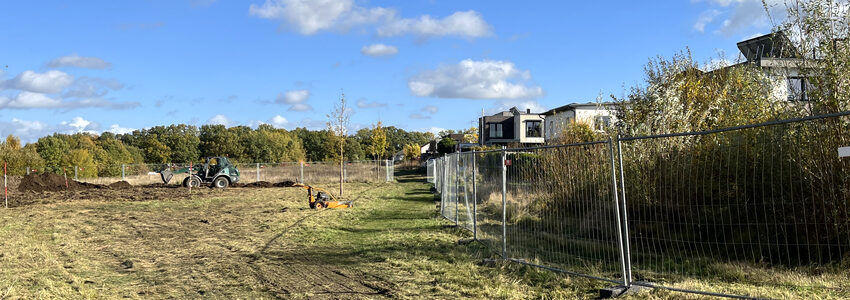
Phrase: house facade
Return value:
(598, 115)
(512, 127)
(781, 62)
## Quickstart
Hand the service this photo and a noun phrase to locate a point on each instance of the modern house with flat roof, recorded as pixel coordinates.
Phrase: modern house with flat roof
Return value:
(782, 62)
(511, 127)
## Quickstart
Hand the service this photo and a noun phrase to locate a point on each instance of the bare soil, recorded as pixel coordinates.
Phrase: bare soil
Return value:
(49, 188)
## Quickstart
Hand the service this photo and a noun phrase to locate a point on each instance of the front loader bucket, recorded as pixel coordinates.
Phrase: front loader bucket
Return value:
(166, 175)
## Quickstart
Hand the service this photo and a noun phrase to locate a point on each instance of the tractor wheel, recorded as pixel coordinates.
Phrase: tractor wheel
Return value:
(221, 182)
(186, 182)
(320, 205)
(194, 182)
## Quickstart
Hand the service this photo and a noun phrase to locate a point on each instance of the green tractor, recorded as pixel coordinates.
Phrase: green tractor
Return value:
(217, 172)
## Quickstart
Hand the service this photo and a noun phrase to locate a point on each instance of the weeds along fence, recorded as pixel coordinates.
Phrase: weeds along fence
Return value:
(735, 205)
(309, 172)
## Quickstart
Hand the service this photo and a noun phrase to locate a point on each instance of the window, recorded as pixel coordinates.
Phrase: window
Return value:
(495, 130)
(602, 122)
(532, 129)
(798, 88)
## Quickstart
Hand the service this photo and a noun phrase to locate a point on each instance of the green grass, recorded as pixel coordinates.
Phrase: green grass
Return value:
(256, 243)
(266, 243)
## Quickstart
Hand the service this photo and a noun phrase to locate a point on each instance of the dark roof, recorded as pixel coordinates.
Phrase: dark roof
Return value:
(772, 45)
(573, 106)
(496, 119)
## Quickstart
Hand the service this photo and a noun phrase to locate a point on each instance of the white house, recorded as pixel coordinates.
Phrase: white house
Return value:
(597, 115)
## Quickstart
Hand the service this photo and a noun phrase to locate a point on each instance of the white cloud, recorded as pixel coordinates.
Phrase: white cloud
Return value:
(471, 79)
(27, 131)
(705, 18)
(117, 129)
(379, 50)
(30, 131)
(739, 15)
(300, 107)
(52, 81)
(293, 97)
(88, 62)
(362, 103)
(279, 122)
(26, 100)
(309, 17)
(78, 125)
(220, 120)
(463, 24)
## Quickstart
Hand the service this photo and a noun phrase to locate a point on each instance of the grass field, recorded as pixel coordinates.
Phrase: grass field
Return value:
(250, 243)
(258, 243)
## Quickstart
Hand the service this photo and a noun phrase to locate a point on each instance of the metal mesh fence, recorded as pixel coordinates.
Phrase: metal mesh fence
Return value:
(430, 167)
(771, 198)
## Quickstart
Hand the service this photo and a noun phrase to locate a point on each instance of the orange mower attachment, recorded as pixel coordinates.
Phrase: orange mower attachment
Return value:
(322, 198)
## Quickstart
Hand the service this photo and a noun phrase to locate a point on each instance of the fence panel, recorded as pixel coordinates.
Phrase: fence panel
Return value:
(464, 190)
(770, 198)
(488, 199)
(561, 209)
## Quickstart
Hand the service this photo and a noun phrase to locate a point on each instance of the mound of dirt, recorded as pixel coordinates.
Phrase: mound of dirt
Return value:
(285, 184)
(258, 184)
(121, 185)
(50, 182)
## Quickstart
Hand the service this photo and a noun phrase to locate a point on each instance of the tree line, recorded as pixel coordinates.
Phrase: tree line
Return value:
(101, 155)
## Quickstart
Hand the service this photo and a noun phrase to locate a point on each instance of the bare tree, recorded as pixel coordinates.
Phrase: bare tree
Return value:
(338, 121)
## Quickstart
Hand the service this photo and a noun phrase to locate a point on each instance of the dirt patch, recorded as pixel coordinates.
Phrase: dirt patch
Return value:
(120, 185)
(285, 184)
(49, 182)
(258, 184)
(265, 184)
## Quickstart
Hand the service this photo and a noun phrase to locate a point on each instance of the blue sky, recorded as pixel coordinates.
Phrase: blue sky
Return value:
(419, 65)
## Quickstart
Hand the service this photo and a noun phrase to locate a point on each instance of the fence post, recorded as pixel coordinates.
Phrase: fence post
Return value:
(345, 173)
(5, 187)
(65, 175)
(123, 178)
(258, 171)
(75, 173)
(626, 281)
(28, 170)
(302, 172)
(474, 200)
(457, 187)
(504, 203)
(625, 221)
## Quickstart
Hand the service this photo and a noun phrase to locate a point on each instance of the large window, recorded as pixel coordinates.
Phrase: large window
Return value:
(602, 122)
(532, 129)
(798, 88)
(495, 130)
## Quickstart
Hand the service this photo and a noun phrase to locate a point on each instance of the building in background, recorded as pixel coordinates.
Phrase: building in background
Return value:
(597, 115)
(512, 127)
(783, 63)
